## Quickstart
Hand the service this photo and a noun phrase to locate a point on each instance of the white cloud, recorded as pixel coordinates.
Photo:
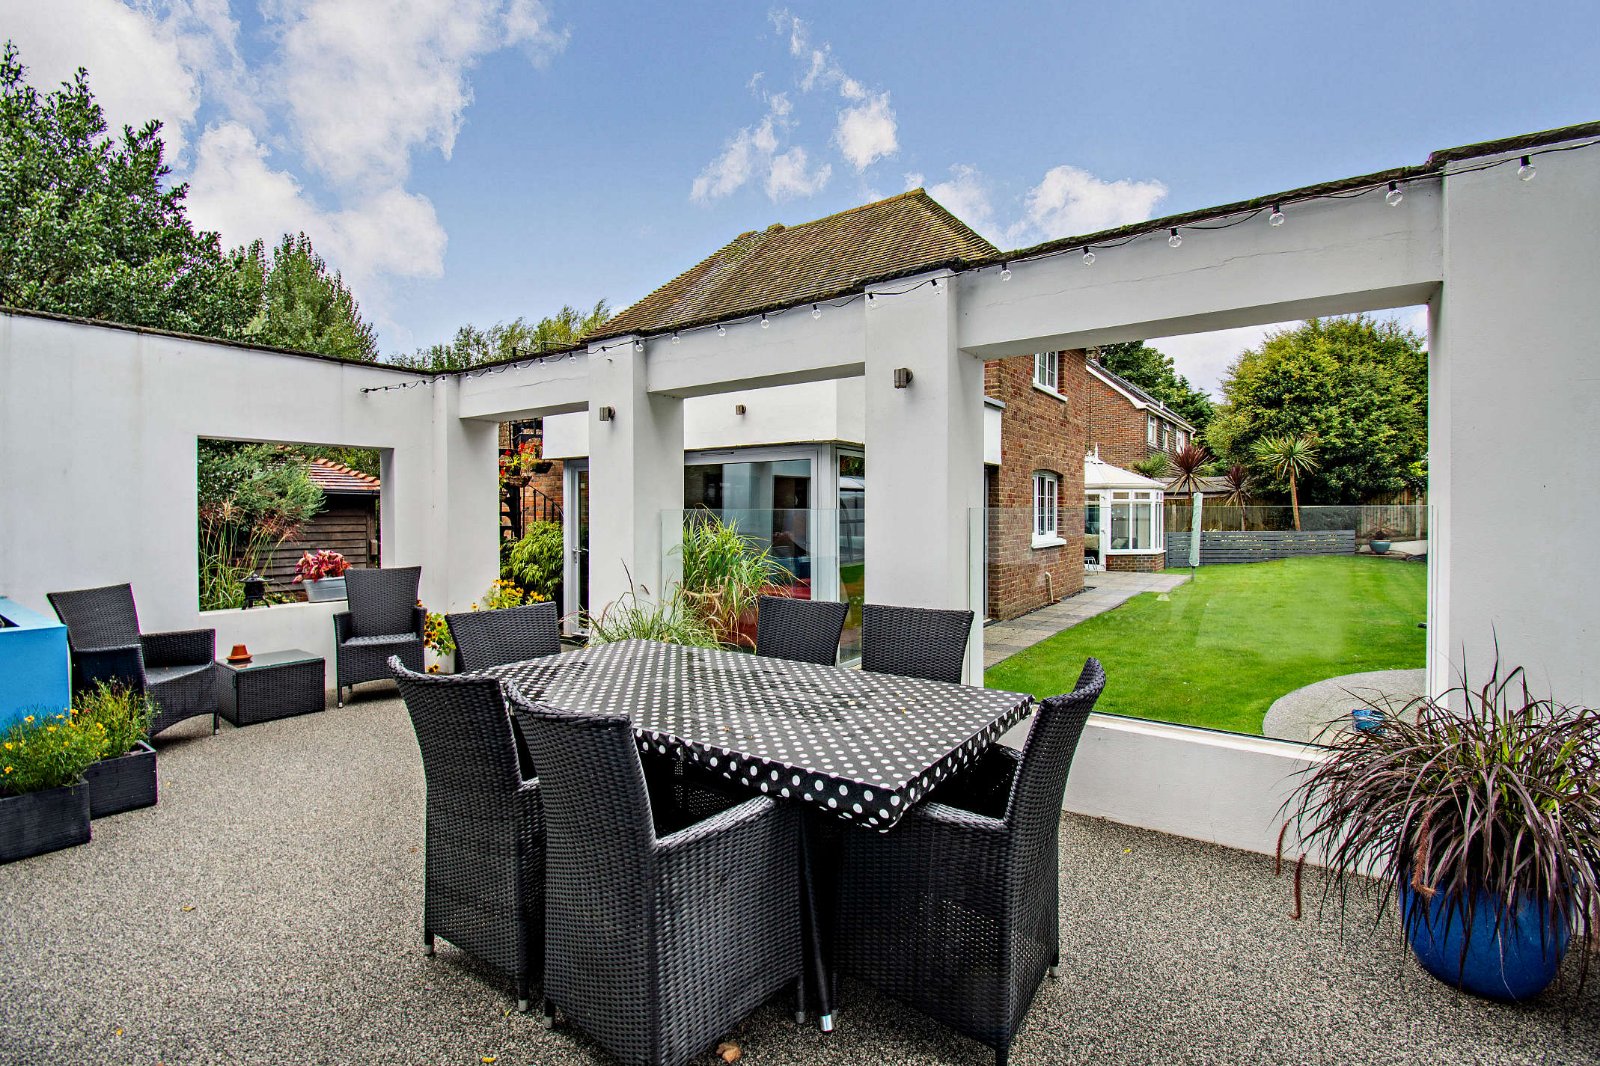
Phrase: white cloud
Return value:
(866, 133)
(789, 177)
(1070, 201)
(966, 195)
(728, 171)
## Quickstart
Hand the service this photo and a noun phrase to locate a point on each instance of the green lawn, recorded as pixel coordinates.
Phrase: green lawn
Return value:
(1221, 648)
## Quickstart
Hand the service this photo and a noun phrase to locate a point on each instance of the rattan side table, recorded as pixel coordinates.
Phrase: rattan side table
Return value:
(272, 685)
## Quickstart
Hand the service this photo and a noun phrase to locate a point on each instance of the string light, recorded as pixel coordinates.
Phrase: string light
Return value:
(1005, 271)
(638, 345)
(1175, 239)
(1276, 218)
(1394, 195)
(722, 331)
(816, 312)
(675, 337)
(764, 322)
(1088, 256)
(1525, 169)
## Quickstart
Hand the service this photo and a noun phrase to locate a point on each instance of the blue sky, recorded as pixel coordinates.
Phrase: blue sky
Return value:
(475, 160)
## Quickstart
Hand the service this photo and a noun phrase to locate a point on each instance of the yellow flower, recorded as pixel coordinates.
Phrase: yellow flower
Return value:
(8, 769)
(9, 745)
(29, 719)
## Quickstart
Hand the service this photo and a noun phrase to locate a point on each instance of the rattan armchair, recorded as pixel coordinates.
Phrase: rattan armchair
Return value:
(383, 620)
(914, 641)
(509, 635)
(805, 631)
(177, 670)
(483, 834)
(657, 943)
(957, 910)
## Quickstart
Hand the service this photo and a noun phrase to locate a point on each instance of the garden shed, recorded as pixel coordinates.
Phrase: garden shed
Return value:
(347, 523)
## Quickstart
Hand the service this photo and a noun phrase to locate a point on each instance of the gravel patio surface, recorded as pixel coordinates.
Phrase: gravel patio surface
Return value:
(267, 912)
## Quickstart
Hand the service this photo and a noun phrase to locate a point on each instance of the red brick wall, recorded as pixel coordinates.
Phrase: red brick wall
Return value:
(1038, 432)
(1144, 564)
(550, 483)
(1119, 428)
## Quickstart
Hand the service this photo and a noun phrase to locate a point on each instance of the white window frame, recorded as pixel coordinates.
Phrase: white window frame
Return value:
(1047, 373)
(1150, 500)
(1183, 439)
(1047, 509)
(1152, 434)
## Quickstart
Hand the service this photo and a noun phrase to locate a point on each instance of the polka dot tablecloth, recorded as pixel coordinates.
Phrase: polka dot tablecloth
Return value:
(865, 747)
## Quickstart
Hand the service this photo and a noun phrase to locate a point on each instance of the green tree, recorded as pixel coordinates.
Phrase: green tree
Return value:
(90, 227)
(1153, 371)
(1288, 459)
(1359, 386)
(507, 340)
(303, 305)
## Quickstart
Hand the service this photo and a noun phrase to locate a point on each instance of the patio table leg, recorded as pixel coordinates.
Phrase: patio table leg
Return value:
(821, 980)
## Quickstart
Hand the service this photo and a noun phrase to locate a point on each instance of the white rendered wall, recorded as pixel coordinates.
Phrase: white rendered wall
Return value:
(1515, 425)
(98, 430)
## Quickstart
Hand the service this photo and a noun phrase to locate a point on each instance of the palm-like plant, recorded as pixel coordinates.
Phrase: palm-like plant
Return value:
(1288, 457)
(1155, 466)
(1187, 462)
(1238, 494)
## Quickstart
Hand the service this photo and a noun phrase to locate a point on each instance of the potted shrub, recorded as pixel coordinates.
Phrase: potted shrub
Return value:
(44, 802)
(724, 574)
(322, 573)
(1380, 541)
(124, 778)
(1480, 813)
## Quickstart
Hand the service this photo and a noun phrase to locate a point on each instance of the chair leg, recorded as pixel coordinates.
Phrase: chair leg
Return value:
(1002, 1054)
(1055, 964)
(215, 719)
(547, 1013)
(523, 1003)
(339, 695)
(799, 1001)
(427, 942)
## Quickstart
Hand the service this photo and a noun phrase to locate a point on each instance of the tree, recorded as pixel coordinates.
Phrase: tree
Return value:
(305, 307)
(1153, 371)
(89, 227)
(1187, 462)
(1288, 458)
(507, 340)
(1239, 489)
(1360, 387)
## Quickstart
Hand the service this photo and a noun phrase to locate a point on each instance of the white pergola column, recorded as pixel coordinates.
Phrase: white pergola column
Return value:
(924, 446)
(464, 550)
(635, 474)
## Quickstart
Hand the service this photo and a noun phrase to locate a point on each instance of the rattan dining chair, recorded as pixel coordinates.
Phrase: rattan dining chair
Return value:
(957, 911)
(805, 631)
(914, 641)
(657, 944)
(509, 635)
(383, 620)
(177, 670)
(483, 829)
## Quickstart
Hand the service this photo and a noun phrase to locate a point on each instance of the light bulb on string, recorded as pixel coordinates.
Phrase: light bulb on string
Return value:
(722, 331)
(638, 345)
(1525, 169)
(1175, 239)
(675, 337)
(764, 322)
(1394, 195)
(1276, 218)
(1005, 271)
(1088, 257)
(816, 312)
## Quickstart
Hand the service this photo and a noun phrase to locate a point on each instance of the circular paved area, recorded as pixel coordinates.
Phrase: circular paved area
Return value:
(1318, 712)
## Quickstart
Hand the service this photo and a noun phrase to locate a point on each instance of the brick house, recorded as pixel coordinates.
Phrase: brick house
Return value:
(1125, 424)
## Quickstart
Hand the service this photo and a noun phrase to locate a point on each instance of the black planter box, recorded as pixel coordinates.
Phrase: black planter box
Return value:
(125, 783)
(38, 822)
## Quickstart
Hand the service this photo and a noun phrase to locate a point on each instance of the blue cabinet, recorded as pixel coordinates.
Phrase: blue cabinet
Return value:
(34, 667)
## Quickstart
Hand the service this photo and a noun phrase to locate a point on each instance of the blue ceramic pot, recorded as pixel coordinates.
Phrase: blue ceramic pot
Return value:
(1510, 957)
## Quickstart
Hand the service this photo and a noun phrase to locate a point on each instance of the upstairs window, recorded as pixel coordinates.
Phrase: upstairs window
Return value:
(1152, 431)
(1047, 370)
(1183, 439)
(1046, 514)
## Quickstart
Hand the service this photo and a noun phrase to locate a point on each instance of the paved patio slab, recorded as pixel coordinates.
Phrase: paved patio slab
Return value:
(267, 913)
(1103, 591)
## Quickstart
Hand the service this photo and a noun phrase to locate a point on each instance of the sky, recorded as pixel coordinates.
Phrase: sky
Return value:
(476, 160)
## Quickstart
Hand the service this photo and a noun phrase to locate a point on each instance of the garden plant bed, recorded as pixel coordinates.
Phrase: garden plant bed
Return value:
(1219, 649)
(125, 783)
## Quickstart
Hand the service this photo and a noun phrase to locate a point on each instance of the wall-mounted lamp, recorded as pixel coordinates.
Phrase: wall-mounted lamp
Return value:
(902, 377)
(738, 408)
(608, 414)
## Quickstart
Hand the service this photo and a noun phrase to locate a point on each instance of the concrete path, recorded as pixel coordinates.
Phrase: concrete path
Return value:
(1319, 712)
(1102, 591)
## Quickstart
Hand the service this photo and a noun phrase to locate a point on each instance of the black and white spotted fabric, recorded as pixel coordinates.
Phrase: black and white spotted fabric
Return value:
(865, 747)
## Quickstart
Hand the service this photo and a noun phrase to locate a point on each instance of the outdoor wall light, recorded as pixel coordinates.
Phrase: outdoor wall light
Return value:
(738, 408)
(608, 414)
(902, 377)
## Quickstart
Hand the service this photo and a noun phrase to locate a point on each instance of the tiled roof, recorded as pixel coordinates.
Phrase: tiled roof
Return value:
(330, 476)
(786, 265)
(1140, 395)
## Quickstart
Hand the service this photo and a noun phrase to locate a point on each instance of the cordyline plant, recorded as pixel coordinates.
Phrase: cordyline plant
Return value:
(1494, 801)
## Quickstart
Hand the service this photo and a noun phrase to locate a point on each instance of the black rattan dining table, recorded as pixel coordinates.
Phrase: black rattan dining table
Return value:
(847, 744)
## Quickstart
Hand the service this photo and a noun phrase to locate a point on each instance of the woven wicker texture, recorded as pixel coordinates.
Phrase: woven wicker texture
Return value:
(175, 669)
(492, 638)
(383, 620)
(484, 840)
(914, 641)
(273, 691)
(956, 912)
(657, 945)
(805, 631)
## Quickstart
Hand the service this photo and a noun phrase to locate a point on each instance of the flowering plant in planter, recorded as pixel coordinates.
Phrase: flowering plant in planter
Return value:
(315, 566)
(522, 460)
(46, 751)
